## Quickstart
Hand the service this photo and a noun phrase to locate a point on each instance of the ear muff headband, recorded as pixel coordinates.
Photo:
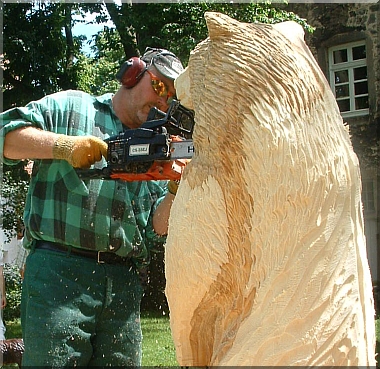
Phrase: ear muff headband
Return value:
(131, 72)
(152, 53)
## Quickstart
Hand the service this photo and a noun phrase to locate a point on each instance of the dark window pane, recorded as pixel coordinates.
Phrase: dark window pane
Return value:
(361, 103)
(358, 52)
(368, 195)
(344, 105)
(340, 56)
(341, 76)
(342, 91)
(361, 88)
(360, 73)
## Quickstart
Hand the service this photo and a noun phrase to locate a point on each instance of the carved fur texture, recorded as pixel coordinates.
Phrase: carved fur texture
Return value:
(266, 258)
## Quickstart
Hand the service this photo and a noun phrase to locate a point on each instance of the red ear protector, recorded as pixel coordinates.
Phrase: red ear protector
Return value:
(131, 72)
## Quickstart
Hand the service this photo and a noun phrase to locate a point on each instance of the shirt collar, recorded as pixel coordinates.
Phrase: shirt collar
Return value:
(105, 99)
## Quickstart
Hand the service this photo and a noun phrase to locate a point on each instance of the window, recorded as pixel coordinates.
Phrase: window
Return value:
(368, 196)
(348, 78)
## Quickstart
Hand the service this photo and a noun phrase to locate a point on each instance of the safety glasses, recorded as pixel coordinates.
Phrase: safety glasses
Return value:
(160, 88)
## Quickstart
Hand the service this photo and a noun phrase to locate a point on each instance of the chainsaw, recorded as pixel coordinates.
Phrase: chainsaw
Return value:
(158, 150)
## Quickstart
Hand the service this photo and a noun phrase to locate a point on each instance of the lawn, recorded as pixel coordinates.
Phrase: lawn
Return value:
(158, 347)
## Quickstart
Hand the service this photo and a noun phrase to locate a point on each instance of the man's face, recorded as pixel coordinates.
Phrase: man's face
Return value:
(132, 105)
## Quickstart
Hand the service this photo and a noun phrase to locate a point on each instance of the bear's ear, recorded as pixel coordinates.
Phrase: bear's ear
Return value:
(182, 86)
(219, 24)
(292, 31)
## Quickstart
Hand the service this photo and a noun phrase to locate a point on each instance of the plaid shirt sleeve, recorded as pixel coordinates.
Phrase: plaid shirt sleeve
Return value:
(95, 214)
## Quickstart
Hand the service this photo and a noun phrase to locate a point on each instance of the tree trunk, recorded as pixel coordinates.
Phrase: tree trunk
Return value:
(69, 36)
(126, 32)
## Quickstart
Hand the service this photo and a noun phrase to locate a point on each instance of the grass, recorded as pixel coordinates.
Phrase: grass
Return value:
(13, 329)
(158, 346)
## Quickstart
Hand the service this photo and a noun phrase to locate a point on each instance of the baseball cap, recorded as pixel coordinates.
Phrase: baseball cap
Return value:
(164, 61)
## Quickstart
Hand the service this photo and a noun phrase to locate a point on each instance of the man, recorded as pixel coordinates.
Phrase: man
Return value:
(87, 239)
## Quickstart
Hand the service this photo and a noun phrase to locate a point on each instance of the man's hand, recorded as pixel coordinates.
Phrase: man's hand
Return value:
(79, 151)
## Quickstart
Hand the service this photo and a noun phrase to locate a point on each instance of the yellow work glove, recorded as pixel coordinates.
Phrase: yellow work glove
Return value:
(173, 186)
(79, 151)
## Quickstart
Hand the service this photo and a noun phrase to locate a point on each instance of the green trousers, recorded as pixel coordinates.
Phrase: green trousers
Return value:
(76, 312)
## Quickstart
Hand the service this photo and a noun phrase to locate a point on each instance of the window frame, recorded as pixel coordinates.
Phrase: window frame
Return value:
(369, 196)
(349, 66)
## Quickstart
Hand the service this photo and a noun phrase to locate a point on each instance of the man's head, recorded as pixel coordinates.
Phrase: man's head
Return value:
(146, 82)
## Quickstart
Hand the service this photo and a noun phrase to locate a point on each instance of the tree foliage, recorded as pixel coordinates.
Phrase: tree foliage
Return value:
(15, 184)
(179, 27)
(13, 286)
(39, 51)
(42, 56)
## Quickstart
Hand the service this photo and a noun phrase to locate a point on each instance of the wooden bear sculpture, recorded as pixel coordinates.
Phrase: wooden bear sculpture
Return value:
(266, 259)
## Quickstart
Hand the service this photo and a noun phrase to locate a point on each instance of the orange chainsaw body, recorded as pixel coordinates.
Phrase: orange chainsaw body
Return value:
(160, 170)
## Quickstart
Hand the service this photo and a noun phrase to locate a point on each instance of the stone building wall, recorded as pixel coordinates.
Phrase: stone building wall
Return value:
(337, 24)
(333, 22)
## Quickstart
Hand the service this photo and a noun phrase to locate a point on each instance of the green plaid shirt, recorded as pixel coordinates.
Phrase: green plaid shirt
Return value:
(94, 214)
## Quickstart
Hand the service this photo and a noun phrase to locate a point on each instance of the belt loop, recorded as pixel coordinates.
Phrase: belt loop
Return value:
(100, 261)
(69, 248)
(33, 246)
